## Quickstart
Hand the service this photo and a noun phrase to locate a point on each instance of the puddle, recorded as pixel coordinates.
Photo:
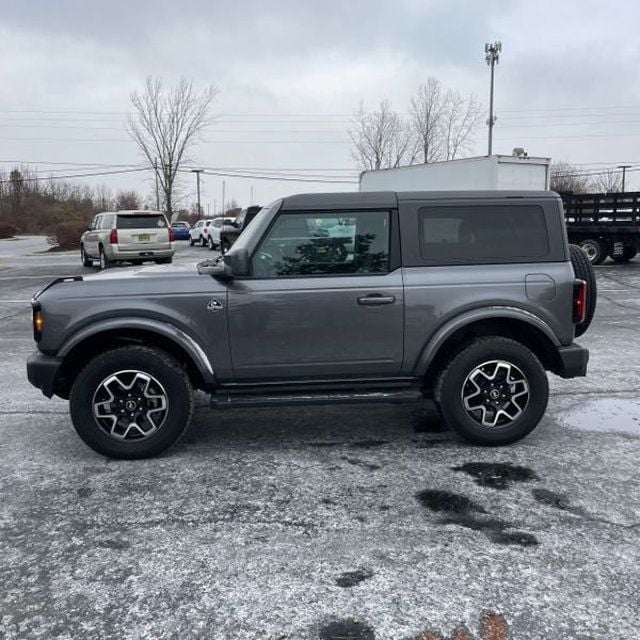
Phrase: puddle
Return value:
(458, 509)
(353, 578)
(496, 475)
(556, 500)
(84, 492)
(521, 538)
(445, 502)
(618, 415)
(348, 629)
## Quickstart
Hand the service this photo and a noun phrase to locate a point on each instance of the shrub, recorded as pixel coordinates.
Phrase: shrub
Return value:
(66, 235)
(7, 230)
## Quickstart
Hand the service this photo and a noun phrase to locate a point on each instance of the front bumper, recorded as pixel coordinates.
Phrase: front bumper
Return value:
(42, 371)
(572, 361)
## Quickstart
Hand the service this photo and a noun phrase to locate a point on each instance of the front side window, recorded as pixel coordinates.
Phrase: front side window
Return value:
(315, 243)
(476, 234)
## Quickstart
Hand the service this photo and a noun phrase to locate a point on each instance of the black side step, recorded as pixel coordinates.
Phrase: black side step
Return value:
(226, 400)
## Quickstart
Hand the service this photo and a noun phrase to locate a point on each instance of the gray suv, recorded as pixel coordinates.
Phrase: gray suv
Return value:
(467, 298)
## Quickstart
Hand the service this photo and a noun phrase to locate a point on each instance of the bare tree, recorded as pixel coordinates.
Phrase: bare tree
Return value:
(565, 178)
(381, 139)
(609, 181)
(127, 200)
(166, 124)
(427, 114)
(460, 119)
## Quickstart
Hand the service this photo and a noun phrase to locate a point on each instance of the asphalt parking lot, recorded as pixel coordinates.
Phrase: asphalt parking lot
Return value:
(324, 523)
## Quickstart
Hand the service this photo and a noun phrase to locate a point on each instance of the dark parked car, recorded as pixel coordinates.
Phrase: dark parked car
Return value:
(466, 298)
(230, 232)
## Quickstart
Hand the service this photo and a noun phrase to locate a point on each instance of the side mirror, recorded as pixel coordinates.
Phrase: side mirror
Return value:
(238, 261)
(215, 268)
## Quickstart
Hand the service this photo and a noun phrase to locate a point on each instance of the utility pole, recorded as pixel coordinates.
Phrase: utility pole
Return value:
(198, 172)
(251, 195)
(624, 168)
(155, 172)
(223, 188)
(492, 55)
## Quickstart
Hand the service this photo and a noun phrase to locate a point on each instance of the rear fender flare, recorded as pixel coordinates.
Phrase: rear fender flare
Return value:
(495, 312)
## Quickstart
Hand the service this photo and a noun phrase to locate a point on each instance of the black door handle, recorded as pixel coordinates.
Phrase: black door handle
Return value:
(374, 299)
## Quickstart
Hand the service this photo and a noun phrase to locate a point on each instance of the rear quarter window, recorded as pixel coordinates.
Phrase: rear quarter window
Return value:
(142, 222)
(482, 234)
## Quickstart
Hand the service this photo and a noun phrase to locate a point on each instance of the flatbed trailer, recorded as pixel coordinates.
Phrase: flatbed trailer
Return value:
(604, 224)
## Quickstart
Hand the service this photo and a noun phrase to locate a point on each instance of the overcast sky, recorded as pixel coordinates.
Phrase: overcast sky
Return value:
(291, 73)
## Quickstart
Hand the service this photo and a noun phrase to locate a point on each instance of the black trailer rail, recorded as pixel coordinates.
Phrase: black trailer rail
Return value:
(604, 224)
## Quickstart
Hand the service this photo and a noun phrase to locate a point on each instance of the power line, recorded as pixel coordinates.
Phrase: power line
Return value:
(79, 175)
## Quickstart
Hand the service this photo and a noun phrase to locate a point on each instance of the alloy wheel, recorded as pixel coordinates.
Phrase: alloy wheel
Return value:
(495, 393)
(130, 405)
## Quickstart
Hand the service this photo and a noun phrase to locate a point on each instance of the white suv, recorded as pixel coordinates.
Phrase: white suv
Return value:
(199, 233)
(133, 236)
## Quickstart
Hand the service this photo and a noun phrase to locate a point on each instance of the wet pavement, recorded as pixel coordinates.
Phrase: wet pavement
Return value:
(324, 522)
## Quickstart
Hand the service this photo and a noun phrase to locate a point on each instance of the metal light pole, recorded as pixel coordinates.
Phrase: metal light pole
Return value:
(624, 168)
(492, 55)
(223, 188)
(198, 172)
(155, 173)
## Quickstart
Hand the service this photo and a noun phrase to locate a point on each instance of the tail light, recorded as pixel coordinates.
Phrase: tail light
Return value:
(113, 236)
(579, 301)
(172, 235)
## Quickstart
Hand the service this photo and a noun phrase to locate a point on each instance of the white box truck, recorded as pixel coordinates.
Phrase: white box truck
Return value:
(484, 172)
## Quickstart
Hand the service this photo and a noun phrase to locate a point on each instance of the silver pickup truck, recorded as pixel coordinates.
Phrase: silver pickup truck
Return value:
(467, 298)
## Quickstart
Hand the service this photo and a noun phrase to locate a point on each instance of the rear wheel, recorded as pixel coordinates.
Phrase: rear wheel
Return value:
(164, 260)
(493, 392)
(104, 262)
(628, 253)
(191, 241)
(595, 250)
(86, 261)
(203, 241)
(212, 244)
(226, 245)
(131, 402)
(583, 270)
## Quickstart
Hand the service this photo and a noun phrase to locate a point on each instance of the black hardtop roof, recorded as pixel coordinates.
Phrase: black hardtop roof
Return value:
(390, 199)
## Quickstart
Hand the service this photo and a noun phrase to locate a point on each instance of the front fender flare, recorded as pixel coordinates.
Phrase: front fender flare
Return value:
(469, 317)
(182, 339)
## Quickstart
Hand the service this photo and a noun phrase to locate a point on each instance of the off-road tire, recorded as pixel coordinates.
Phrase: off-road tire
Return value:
(86, 262)
(450, 385)
(153, 362)
(583, 270)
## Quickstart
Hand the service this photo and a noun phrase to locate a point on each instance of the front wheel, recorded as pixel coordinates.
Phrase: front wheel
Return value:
(131, 402)
(203, 241)
(212, 244)
(493, 392)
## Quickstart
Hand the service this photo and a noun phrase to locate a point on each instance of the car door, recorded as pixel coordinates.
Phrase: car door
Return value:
(91, 237)
(324, 299)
